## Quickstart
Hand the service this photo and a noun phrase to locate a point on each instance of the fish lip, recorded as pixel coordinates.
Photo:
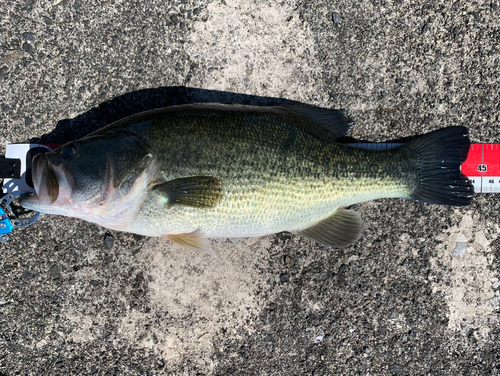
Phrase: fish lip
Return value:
(30, 201)
(37, 167)
(65, 181)
(43, 180)
(53, 183)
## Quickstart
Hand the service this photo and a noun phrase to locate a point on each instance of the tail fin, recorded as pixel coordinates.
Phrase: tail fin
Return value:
(438, 156)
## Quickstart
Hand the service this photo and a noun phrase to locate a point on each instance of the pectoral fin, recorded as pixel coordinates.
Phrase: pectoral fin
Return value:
(196, 191)
(341, 229)
(193, 240)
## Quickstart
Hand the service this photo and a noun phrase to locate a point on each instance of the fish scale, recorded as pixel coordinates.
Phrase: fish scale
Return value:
(211, 170)
(292, 181)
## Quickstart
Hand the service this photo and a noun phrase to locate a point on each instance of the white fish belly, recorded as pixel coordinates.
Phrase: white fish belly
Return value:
(251, 212)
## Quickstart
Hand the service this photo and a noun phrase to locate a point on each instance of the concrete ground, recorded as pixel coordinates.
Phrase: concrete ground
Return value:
(76, 299)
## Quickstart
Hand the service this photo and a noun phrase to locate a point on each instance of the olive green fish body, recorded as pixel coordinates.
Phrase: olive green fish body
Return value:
(275, 174)
(233, 171)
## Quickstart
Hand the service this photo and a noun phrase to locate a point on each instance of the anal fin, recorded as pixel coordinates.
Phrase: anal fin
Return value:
(341, 229)
(192, 240)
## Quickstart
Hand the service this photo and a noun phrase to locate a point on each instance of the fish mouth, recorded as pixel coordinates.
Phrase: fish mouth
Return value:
(53, 182)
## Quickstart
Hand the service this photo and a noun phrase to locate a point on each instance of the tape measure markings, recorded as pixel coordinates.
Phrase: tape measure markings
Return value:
(482, 167)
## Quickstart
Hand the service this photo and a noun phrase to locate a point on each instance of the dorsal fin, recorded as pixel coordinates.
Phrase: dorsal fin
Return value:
(334, 122)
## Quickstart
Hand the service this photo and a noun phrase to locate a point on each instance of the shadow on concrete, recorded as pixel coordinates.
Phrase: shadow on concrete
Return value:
(147, 99)
(143, 100)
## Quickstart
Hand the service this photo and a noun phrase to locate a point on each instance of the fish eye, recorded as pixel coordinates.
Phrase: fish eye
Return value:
(69, 150)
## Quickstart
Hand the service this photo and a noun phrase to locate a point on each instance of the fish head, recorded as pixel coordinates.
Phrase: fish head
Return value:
(100, 178)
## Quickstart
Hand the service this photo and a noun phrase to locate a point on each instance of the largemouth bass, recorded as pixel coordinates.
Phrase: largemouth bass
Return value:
(200, 171)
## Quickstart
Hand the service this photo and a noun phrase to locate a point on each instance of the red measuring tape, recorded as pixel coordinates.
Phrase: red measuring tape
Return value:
(482, 167)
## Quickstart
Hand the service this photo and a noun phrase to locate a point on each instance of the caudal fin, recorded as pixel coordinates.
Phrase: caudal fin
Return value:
(438, 156)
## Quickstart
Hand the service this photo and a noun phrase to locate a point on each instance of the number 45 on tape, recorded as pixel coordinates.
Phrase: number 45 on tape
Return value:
(482, 167)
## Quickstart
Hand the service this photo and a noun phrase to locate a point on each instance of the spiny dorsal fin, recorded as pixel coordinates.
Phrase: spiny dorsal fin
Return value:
(192, 240)
(196, 191)
(341, 229)
(335, 122)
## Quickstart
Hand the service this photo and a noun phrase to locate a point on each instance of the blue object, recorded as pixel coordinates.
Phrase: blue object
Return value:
(5, 224)
(8, 220)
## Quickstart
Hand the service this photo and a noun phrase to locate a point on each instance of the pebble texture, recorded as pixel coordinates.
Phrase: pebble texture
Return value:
(417, 295)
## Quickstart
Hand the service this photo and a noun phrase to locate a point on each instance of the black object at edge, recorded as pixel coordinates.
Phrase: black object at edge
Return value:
(10, 168)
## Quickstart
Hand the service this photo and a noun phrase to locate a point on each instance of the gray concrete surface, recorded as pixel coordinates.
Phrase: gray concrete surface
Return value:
(76, 299)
